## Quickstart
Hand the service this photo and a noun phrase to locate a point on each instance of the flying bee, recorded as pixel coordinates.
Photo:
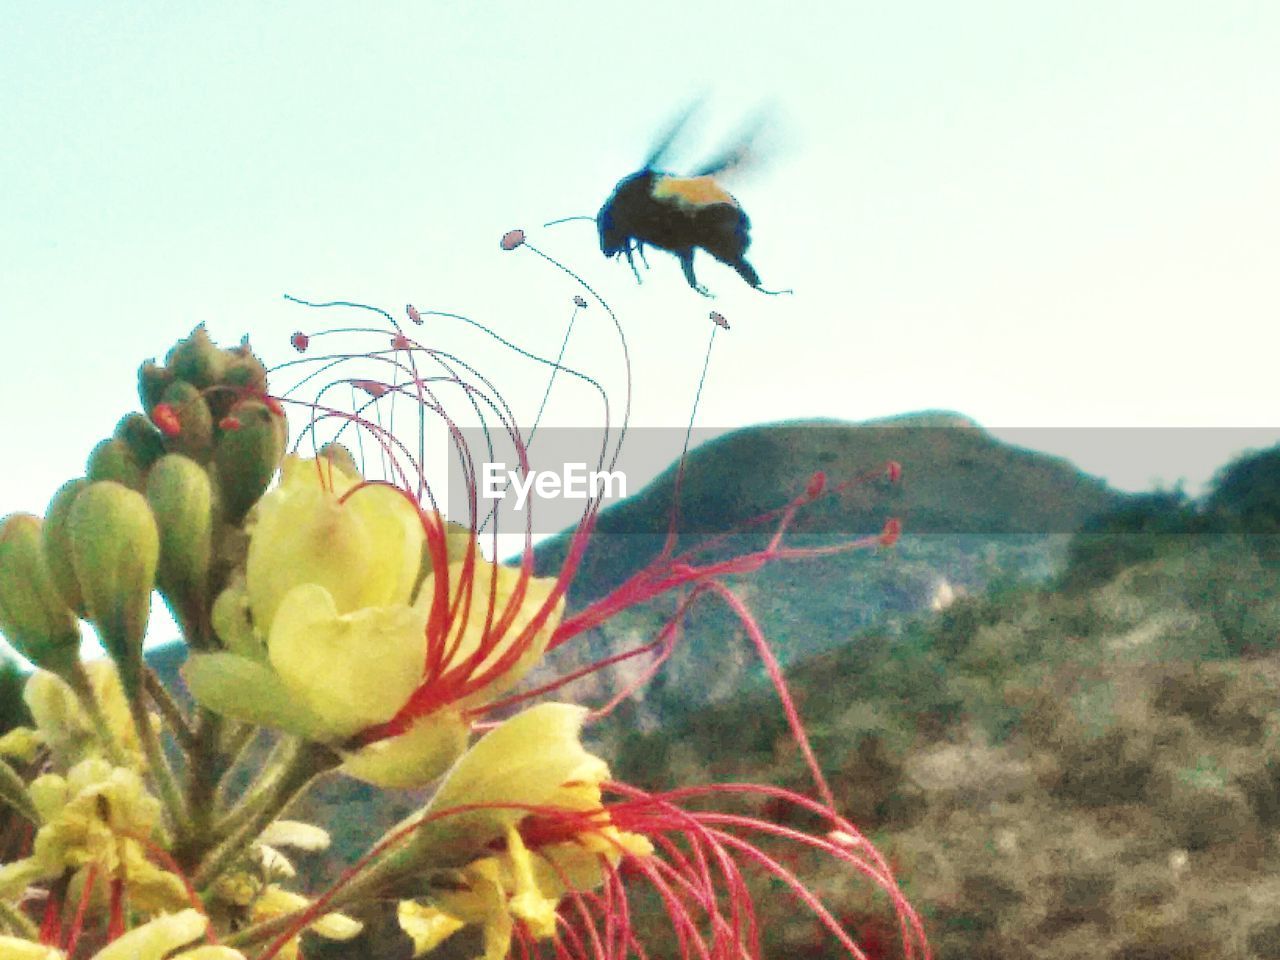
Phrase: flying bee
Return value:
(681, 214)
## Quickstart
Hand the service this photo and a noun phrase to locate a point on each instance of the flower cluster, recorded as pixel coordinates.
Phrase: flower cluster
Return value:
(337, 624)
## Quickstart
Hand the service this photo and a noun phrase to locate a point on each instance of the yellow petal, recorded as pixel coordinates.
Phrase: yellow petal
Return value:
(427, 927)
(352, 670)
(365, 550)
(15, 948)
(522, 762)
(209, 953)
(294, 833)
(156, 938)
(416, 757)
(275, 902)
(529, 902)
(21, 743)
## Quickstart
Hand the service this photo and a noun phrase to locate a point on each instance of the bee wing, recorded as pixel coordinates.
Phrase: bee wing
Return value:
(741, 150)
(672, 132)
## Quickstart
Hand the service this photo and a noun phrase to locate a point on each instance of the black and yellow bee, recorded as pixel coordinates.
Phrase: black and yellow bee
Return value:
(680, 214)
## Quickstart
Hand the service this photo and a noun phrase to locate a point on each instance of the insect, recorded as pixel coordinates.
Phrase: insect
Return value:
(681, 214)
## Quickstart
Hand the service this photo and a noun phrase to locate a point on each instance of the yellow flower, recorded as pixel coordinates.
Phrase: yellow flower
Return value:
(534, 760)
(97, 814)
(326, 641)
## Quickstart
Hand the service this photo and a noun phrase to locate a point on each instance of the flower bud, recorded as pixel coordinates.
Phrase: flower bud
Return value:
(115, 547)
(195, 421)
(113, 460)
(245, 371)
(181, 498)
(246, 457)
(153, 381)
(33, 616)
(197, 360)
(142, 437)
(57, 544)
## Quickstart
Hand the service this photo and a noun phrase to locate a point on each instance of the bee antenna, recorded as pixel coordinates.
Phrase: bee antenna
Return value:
(552, 223)
(776, 293)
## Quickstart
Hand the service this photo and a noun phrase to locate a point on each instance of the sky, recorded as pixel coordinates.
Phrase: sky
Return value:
(1043, 216)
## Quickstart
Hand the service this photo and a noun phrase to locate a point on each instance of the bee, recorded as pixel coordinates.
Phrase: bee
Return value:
(680, 214)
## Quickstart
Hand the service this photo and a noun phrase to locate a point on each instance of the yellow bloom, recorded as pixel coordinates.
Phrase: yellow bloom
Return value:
(533, 760)
(97, 814)
(324, 642)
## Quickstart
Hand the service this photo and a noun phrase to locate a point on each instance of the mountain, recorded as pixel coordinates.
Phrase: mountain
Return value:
(974, 510)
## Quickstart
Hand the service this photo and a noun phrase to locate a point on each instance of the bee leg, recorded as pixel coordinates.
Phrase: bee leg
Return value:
(643, 258)
(746, 271)
(686, 263)
(632, 264)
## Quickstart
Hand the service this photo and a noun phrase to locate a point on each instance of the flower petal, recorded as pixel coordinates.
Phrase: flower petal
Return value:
(250, 690)
(416, 757)
(352, 670)
(522, 762)
(155, 938)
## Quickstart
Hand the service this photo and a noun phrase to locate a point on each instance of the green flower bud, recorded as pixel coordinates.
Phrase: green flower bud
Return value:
(33, 616)
(115, 546)
(181, 498)
(143, 439)
(197, 360)
(113, 460)
(245, 371)
(153, 381)
(57, 544)
(249, 450)
(194, 435)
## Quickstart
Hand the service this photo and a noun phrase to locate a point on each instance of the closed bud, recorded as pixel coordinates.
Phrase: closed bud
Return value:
(194, 436)
(115, 546)
(247, 457)
(153, 381)
(181, 499)
(142, 437)
(113, 460)
(33, 616)
(245, 371)
(197, 360)
(57, 544)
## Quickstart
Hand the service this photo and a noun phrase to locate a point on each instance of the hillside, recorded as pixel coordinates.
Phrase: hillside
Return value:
(1057, 774)
(975, 512)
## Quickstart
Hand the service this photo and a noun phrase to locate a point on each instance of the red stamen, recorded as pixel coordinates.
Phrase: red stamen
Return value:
(300, 341)
(893, 470)
(166, 419)
(891, 532)
(229, 423)
(512, 239)
(413, 313)
(90, 878)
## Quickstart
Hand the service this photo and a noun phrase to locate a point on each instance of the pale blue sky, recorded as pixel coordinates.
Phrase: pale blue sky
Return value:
(1037, 214)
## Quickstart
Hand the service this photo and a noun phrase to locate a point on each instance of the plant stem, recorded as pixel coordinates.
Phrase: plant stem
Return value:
(169, 710)
(287, 781)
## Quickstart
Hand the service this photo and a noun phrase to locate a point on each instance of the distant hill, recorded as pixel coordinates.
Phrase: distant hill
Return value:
(975, 511)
